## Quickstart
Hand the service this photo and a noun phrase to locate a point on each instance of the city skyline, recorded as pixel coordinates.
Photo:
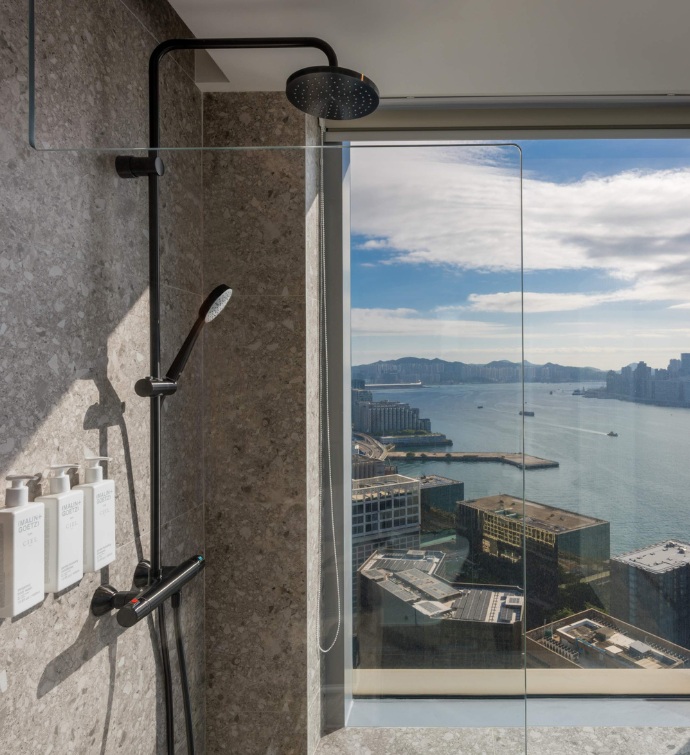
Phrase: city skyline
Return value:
(676, 367)
(436, 252)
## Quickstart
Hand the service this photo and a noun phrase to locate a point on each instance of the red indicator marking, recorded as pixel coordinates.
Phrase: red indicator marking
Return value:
(134, 600)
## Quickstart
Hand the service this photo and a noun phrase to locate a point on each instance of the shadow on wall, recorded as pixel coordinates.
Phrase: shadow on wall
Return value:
(99, 633)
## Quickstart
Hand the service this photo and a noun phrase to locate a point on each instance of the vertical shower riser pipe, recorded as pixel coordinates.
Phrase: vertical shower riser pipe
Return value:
(157, 55)
(154, 235)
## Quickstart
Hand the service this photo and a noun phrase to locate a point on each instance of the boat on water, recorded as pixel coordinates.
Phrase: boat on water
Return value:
(480, 406)
(527, 414)
(611, 434)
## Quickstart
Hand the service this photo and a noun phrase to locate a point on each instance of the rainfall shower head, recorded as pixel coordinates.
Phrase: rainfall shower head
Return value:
(338, 94)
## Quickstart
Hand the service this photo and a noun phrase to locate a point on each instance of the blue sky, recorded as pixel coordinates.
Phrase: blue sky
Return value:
(436, 252)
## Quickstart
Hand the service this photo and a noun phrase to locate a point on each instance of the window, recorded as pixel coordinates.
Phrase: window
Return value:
(583, 569)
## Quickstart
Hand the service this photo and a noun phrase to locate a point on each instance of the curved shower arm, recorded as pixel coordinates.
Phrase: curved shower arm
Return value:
(220, 43)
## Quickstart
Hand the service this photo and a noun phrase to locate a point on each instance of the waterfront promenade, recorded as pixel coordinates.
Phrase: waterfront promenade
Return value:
(514, 460)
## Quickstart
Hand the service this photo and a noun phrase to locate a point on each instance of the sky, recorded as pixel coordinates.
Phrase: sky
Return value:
(436, 252)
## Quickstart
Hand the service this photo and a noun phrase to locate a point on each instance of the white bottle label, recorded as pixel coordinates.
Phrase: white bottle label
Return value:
(21, 558)
(70, 566)
(28, 544)
(64, 541)
(104, 527)
(99, 524)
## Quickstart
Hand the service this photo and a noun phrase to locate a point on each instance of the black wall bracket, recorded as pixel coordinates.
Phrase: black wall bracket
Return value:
(128, 166)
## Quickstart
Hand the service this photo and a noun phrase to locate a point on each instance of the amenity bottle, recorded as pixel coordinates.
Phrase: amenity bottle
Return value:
(99, 515)
(21, 549)
(64, 529)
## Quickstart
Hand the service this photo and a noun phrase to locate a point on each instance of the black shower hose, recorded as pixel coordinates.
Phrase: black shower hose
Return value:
(167, 681)
(167, 677)
(184, 682)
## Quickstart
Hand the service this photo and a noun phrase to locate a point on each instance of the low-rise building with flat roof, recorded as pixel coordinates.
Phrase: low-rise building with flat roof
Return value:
(440, 492)
(409, 617)
(650, 588)
(567, 554)
(592, 639)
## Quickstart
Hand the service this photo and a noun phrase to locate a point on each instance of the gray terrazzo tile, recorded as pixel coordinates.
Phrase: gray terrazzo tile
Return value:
(77, 682)
(180, 107)
(608, 741)
(73, 340)
(251, 119)
(256, 388)
(182, 457)
(163, 23)
(66, 349)
(409, 742)
(256, 606)
(254, 220)
(81, 93)
(181, 221)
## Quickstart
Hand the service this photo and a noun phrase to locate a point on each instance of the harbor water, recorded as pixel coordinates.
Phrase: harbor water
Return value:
(639, 481)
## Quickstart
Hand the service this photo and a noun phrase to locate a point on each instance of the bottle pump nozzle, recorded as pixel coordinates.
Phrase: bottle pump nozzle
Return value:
(94, 470)
(18, 494)
(59, 481)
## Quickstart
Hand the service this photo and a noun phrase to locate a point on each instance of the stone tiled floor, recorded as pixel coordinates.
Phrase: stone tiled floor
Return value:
(559, 741)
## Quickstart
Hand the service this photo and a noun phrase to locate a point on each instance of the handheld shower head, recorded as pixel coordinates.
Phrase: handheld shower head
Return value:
(332, 92)
(215, 302)
(213, 305)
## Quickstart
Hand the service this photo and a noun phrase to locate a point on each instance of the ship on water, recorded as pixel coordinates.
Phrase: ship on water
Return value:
(388, 386)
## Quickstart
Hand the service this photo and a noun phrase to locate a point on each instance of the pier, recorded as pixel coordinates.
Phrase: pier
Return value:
(514, 460)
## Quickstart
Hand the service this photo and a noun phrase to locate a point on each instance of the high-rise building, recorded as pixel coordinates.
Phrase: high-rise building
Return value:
(386, 417)
(642, 378)
(567, 554)
(650, 588)
(385, 514)
(409, 617)
(685, 364)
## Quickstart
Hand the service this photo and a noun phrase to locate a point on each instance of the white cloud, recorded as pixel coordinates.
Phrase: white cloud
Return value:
(440, 207)
(374, 244)
(409, 323)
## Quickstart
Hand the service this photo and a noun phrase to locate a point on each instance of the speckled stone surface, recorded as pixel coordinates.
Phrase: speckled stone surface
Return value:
(564, 741)
(254, 378)
(163, 23)
(312, 232)
(73, 340)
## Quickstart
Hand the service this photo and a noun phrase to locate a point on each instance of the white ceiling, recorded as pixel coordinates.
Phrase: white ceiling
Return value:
(461, 47)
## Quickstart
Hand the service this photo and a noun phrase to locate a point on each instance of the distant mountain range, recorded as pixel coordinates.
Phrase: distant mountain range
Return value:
(441, 372)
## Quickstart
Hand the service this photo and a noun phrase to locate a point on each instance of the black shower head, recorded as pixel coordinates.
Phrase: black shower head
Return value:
(213, 305)
(332, 92)
(215, 302)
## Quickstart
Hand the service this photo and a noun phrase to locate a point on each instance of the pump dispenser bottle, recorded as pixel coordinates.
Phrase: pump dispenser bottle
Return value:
(99, 515)
(64, 520)
(21, 549)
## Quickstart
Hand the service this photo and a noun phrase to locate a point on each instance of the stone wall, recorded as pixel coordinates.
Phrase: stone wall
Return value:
(74, 339)
(256, 424)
